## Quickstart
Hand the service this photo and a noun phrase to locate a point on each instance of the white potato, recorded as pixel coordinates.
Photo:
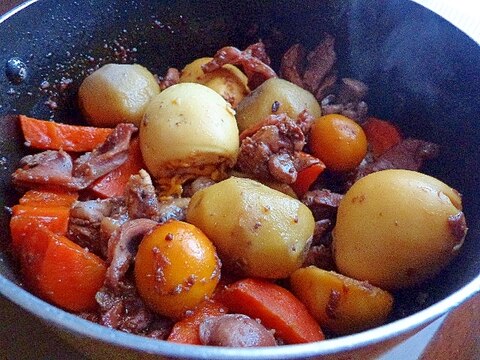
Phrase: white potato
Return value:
(291, 99)
(117, 93)
(257, 231)
(397, 228)
(188, 130)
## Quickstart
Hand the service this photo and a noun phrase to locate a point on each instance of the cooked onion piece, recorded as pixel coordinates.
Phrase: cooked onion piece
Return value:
(229, 81)
(257, 231)
(275, 96)
(188, 131)
(117, 93)
(397, 228)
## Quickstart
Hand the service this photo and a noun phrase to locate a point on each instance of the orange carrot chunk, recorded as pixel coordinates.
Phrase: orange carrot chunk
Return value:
(26, 217)
(46, 198)
(276, 307)
(50, 209)
(381, 135)
(48, 135)
(114, 183)
(61, 271)
(306, 178)
(185, 331)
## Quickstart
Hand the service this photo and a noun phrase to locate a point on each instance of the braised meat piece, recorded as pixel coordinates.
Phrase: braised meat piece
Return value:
(56, 168)
(323, 203)
(234, 330)
(409, 155)
(107, 157)
(87, 218)
(272, 149)
(293, 65)
(320, 256)
(50, 168)
(173, 209)
(320, 74)
(127, 312)
(458, 227)
(141, 198)
(253, 60)
(349, 100)
(122, 248)
(196, 185)
(172, 77)
(314, 71)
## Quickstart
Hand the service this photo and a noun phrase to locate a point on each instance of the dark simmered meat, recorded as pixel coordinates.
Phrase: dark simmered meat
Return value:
(323, 203)
(408, 155)
(234, 330)
(172, 77)
(348, 100)
(253, 60)
(196, 185)
(122, 247)
(173, 209)
(107, 157)
(127, 312)
(140, 197)
(272, 149)
(87, 218)
(314, 71)
(52, 168)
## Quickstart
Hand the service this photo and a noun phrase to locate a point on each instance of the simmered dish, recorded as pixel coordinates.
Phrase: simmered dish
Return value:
(226, 204)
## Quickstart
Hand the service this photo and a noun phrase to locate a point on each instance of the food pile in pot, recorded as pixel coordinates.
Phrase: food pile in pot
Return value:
(229, 204)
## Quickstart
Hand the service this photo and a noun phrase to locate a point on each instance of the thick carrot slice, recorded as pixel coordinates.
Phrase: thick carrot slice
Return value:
(70, 275)
(306, 177)
(26, 218)
(60, 271)
(114, 183)
(46, 198)
(37, 207)
(185, 331)
(275, 306)
(48, 135)
(381, 135)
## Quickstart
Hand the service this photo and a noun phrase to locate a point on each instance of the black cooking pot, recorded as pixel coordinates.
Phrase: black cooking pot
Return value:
(423, 74)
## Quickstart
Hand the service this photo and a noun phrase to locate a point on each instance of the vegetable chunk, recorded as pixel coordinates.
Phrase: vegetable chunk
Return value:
(341, 304)
(258, 231)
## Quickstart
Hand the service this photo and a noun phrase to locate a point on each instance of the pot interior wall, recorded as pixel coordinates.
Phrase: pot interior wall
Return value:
(423, 74)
